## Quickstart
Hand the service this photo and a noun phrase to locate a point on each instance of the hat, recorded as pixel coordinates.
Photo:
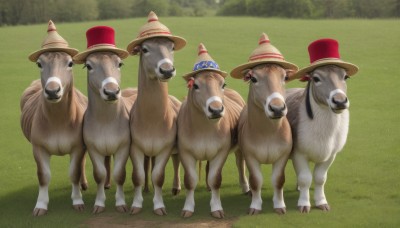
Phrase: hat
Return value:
(325, 52)
(204, 62)
(100, 38)
(264, 53)
(154, 28)
(53, 42)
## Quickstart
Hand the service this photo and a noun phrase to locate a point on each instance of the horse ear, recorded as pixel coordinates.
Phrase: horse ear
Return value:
(247, 74)
(190, 82)
(136, 50)
(305, 78)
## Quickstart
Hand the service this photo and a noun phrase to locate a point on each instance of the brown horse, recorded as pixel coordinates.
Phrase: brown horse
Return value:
(51, 119)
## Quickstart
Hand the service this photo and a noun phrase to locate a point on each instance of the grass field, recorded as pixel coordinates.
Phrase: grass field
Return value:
(363, 185)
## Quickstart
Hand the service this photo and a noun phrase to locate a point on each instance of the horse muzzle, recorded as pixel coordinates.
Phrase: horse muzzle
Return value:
(338, 101)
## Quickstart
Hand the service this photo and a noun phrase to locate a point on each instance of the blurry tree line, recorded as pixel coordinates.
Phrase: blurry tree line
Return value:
(311, 8)
(13, 12)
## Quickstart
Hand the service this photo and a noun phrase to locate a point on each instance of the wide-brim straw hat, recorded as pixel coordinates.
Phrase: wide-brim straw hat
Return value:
(53, 42)
(264, 53)
(100, 38)
(154, 28)
(204, 62)
(325, 52)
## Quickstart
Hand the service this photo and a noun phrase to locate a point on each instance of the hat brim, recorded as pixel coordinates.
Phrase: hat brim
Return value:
(178, 41)
(238, 73)
(35, 55)
(191, 74)
(81, 57)
(350, 68)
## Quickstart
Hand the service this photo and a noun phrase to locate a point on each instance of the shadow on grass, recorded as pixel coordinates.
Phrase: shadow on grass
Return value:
(17, 207)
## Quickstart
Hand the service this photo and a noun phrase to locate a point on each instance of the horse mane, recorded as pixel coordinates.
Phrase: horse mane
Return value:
(234, 104)
(29, 103)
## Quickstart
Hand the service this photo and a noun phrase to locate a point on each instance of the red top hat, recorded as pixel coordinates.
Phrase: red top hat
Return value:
(325, 52)
(100, 38)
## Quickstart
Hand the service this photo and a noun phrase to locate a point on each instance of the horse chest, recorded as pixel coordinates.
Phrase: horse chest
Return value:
(61, 142)
(323, 136)
(207, 146)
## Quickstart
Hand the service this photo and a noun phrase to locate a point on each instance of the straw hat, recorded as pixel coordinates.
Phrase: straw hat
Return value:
(264, 53)
(100, 38)
(154, 28)
(204, 62)
(325, 52)
(53, 42)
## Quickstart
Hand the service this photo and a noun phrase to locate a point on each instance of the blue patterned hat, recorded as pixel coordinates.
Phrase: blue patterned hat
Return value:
(204, 62)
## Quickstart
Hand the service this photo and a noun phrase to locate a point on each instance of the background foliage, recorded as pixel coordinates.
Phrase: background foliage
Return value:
(36, 11)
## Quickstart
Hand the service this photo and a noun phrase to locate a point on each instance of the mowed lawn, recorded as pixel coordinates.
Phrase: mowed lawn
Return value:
(363, 186)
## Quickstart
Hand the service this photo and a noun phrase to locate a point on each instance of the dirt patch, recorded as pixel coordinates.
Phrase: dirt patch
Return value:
(108, 221)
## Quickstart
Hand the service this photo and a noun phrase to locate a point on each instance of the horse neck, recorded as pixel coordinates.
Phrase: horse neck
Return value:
(257, 119)
(152, 98)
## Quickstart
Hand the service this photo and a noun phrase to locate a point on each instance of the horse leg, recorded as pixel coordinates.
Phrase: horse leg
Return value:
(304, 179)
(256, 182)
(241, 166)
(75, 171)
(146, 166)
(191, 179)
(83, 179)
(107, 164)
(214, 180)
(157, 176)
(100, 174)
(120, 159)
(42, 159)
(320, 176)
(278, 180)
(176, 184)
(138, 175)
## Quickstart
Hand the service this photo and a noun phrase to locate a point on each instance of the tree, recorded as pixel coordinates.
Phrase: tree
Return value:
(109, 9)
(233, 7)
(141, 8)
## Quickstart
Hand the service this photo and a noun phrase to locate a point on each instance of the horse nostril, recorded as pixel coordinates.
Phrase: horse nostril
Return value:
(216, 111)
(167, 73)
(336, 102)
(52, 93)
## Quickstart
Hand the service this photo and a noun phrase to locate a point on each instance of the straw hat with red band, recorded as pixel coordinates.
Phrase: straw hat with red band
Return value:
(100, 38)
(324, 52)
(154, 28)
(53, 42)
(264, 53)
(204, 62)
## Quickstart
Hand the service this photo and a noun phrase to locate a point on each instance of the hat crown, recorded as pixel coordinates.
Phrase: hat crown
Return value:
(323, 49)
(53, 39)
(153, 27)
(100, 35)
(204, 60)
(265, 50)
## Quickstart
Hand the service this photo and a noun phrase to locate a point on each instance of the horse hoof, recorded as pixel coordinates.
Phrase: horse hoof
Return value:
(186, 214)
(146, 190)
(280, 211)
(98, 209)
(253, 211)
(324, 207)
(135, 210)
(175, 191)
(79, 207)
(84, 186)
(160, 211)
(39, 212)
(107, 186)
(304, 209)
(121, 208)
(218, 214)
(248, 193)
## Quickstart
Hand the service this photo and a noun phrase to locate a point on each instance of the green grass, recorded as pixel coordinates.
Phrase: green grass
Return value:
(363, 184)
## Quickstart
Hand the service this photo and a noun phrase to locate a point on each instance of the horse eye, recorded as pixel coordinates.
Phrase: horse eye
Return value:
(346, 77)
(144, 50)
(39, 65)
(70, 64)
(120, 64)
(316, 79)
(286, 78)
(195, 86)
(253, 79)
(223, 86)
(87, 66)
